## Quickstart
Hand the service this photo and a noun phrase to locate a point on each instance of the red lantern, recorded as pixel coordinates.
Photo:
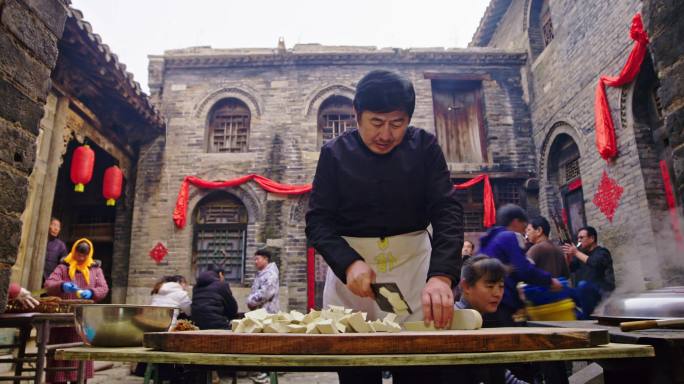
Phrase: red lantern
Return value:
(111, 185)
(82, 164)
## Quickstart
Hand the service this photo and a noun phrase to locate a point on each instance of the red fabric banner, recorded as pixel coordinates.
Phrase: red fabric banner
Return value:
(180, 211)
(488, 198)
(605, 129)
(310, 278)
(671, 205)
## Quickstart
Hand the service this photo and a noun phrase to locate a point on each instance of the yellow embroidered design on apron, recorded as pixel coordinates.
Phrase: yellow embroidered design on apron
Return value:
(402, 259)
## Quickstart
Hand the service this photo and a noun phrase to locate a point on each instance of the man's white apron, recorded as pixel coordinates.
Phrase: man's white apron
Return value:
(402, 259)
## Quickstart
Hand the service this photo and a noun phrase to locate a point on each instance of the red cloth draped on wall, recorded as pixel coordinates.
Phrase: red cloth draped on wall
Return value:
(605, 129)
(488, 199)
(180, 211)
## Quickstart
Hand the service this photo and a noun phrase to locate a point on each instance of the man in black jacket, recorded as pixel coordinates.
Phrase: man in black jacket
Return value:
(593, 269)
(213, 304)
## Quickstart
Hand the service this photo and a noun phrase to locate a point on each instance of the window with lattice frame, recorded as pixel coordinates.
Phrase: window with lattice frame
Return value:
(335, 116)
(471, 200)
(546, 24)
(508, 192)
(229, 126)
(220, 237)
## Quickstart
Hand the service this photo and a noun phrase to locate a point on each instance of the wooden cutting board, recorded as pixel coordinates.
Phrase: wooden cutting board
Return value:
(481, 340)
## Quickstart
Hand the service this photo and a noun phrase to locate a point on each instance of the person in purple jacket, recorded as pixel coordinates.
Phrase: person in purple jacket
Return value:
(505, 242)
(56, 249)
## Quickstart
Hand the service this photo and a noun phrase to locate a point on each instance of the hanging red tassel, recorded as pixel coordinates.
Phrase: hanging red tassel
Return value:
(82, 164)
(111, 185)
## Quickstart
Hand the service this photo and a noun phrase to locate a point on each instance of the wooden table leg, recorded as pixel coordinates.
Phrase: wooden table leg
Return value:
(24, 334)
(81, 375)
(42, 338)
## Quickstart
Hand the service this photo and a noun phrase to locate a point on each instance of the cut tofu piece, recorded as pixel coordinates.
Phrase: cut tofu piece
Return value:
(326, 326)
(259, 314)
(251, 326)
(357, 322)
(341, 328)
(296, 328)
(312, 328)
(276, 327)
(311, 316)
(296, 316)
(378, 326)
(390, 317)
(392, 327)
(234, 324)
(395, 300)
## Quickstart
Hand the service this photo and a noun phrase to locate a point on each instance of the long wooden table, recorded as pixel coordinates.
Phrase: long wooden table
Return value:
(626, 352)
(668, 344)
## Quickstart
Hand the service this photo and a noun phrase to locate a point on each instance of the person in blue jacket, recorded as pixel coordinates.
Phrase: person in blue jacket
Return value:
(505, 242)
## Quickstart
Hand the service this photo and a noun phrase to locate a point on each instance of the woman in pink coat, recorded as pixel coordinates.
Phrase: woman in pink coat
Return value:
(78, 276)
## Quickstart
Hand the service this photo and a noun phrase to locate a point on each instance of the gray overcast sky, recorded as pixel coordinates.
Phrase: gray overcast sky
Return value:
(134, 29)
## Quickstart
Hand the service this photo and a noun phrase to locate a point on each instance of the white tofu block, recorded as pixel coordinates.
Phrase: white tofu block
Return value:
(341, 328)
(344, 319)
(418, 326)
(466, 319)
(348, 311)
(296, 328)
(392, 326)
(234, 324)
(276, 327)
(312, 328)
(326, 327)
(311, 316)
(378, 326)
(259, 314)
(251, 326)
(296, 316)
(357, 322)
(390, 317)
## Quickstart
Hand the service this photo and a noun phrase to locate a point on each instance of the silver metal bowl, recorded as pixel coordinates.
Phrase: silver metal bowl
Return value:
(121, 325)
(661, 303)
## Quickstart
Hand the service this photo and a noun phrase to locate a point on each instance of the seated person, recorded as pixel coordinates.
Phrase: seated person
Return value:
(213, 305)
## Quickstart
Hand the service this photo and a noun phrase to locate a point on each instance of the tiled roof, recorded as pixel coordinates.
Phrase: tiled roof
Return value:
(490, 20)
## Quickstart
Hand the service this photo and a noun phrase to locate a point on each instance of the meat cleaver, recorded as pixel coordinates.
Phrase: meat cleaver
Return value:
(389, 298)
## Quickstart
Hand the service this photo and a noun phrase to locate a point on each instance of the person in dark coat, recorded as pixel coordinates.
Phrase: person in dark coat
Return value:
(505, 242)
(56, 249)
(213, 304)
(592, 266)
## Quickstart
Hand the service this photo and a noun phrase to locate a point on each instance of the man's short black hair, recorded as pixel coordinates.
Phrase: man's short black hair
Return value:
(591, 231)
(83, 248)
(509, 212)
(384, 91)
(541, 222)
(265, 253)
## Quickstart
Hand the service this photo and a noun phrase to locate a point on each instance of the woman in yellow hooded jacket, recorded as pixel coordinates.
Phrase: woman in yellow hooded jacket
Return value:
(78, 276)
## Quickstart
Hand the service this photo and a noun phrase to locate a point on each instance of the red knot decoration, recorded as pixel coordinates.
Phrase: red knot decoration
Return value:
(607, 197)
(159, 252)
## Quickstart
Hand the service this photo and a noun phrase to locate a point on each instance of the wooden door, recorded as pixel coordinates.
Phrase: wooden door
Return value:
(458, 123)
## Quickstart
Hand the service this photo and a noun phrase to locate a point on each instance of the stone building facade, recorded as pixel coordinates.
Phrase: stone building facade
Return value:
(569, 45)
(266, 111)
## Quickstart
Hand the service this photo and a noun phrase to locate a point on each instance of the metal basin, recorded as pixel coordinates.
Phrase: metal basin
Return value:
(656, 304)
(121, 325)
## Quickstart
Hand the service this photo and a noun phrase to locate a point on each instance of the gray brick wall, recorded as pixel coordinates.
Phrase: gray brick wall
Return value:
(29, 31)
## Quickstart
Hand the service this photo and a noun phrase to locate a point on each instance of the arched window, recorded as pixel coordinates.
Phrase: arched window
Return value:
(220, 235)
(335, 116)
(540, 30)
(565, 181)
(229, 126)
